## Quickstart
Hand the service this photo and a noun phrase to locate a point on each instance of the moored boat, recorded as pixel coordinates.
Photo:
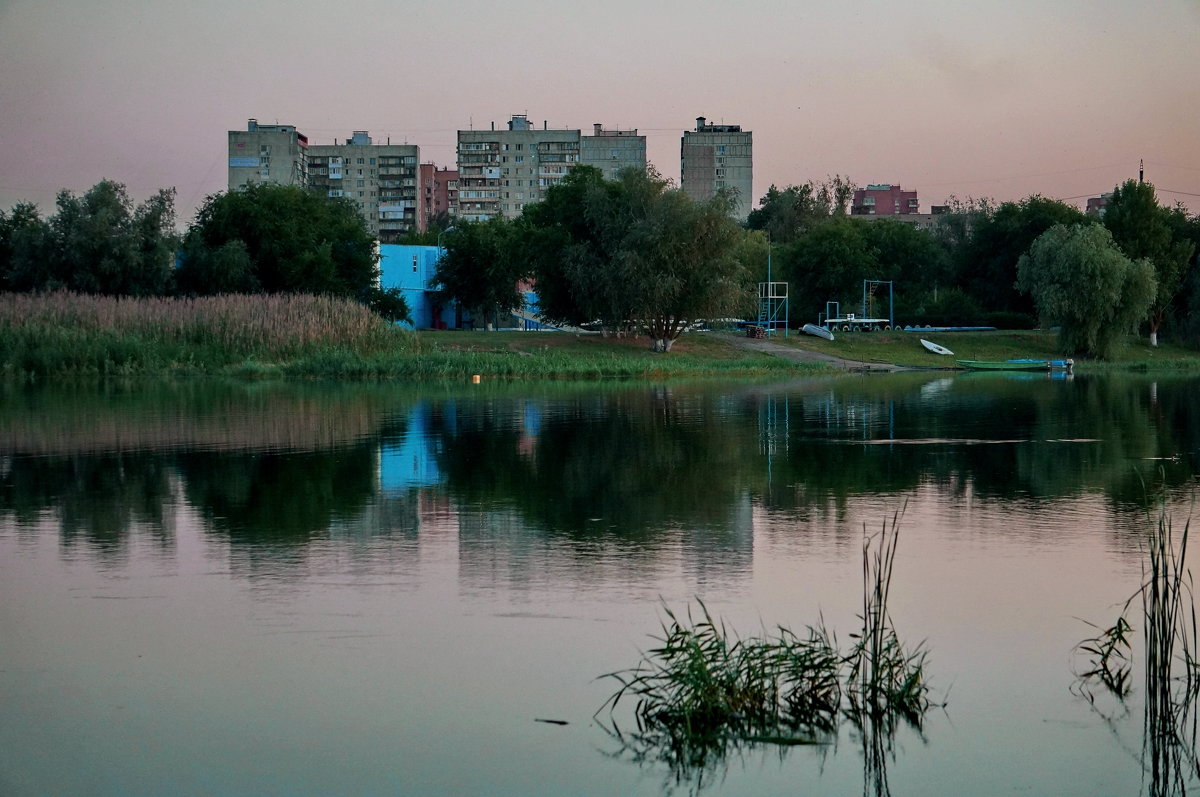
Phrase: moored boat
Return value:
(1017, 365)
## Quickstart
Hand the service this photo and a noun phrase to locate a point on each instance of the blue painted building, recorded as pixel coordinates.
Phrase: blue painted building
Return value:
(412, 269)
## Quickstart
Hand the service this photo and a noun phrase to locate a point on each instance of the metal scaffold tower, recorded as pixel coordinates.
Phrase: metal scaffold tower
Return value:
(773, 307)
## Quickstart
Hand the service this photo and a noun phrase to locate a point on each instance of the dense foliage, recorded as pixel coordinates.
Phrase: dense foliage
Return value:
(632, 255)
(480, 267)
(278, 239)
(637, 251)
(96, 243)
(1144, 229)
(1082, 283)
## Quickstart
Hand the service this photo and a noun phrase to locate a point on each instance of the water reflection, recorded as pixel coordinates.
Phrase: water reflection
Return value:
(493, 549)
(646, 469)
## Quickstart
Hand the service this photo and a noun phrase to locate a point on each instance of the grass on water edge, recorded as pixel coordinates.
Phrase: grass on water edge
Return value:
(904, 348)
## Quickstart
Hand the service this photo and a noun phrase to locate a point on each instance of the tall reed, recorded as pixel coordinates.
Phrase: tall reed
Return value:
(1170, 680)
(66, 332)
(885, 680)
(704, 693)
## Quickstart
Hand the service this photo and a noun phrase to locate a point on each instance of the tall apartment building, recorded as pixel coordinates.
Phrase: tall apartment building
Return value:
(380, 178)
(502, 171)
(883, 200)
(716, 157)
(267, 154)
(613, 151)
(438, 194)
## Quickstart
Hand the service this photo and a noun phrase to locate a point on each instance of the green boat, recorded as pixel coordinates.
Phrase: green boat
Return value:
(1017, 365)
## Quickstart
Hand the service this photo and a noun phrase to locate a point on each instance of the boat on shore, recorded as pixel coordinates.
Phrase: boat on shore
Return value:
(935, 348)
(1017, 365)
(820, 332)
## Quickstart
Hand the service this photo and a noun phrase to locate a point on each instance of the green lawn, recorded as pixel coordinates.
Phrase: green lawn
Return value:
(904, 348)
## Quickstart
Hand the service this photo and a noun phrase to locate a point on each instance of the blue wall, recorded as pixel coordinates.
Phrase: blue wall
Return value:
(411, 269)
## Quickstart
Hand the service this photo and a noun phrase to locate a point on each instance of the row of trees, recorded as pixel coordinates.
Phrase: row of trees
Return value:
(638, 254)
(264, 238)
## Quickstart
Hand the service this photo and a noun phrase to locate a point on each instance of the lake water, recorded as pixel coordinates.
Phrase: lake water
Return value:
(292, 590)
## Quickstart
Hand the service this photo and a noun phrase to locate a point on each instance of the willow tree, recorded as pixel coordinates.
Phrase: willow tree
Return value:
(1081, 282)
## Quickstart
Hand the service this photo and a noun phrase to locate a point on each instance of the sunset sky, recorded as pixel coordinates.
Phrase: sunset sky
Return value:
(974, 99)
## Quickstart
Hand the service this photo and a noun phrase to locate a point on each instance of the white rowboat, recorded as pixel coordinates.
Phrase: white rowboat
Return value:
(820, 332)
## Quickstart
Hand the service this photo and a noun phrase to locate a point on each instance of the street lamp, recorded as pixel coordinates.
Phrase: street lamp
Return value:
(441, 249)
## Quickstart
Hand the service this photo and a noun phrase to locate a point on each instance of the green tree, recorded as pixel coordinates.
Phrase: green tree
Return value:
(24, 249)
(96, 243)
(481, 267)
(570, 240)
(278, 239)
(987, 263)
(1144, 229)
(637, 250)
(913, 259)
(1080, 281)
(829, 264)
(789, 213)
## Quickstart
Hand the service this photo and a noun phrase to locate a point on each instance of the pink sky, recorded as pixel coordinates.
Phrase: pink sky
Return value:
(981, 99)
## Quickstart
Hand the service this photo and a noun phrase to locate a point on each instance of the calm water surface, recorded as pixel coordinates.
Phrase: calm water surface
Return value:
(217, 590)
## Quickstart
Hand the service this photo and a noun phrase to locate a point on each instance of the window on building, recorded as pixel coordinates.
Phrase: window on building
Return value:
(360, 160)
(360, 183)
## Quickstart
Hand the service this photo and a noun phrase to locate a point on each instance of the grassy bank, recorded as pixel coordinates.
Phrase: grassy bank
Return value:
(904, 348)
(67, 336)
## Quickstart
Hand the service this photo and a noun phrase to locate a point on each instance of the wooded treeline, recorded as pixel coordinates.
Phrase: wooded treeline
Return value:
(638, 255)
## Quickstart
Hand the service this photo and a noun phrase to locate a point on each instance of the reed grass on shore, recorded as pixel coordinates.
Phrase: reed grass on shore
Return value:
(66, 334)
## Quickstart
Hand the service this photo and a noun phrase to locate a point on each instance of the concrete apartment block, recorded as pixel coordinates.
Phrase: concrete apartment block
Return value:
(267, 154)
(380, 178)
(613, 151)
(715, 157)
(502, 171)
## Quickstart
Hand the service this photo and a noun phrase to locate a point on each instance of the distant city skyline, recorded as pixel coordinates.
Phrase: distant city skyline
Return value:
(944, 98)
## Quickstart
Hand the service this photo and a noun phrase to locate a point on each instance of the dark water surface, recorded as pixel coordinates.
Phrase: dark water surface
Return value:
(292, 590)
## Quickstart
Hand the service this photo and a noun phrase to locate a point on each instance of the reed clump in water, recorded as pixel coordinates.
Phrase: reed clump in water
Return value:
(704, 692)
(1171, 681)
